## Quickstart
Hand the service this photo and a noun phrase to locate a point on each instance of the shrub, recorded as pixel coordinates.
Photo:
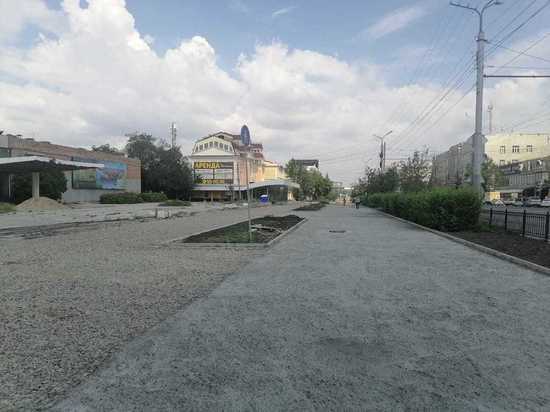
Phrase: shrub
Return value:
(123, 198)
(6, 207)
(176, 202)
(154, 197)
(53, 184)
(448, 210)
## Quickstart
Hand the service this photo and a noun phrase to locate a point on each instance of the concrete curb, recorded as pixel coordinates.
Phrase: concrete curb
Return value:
(475, 246)
(173, 242)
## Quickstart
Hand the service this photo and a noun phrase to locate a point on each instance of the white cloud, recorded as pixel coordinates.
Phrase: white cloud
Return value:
(239, 6)
(282, 12)
(100, 79)
(15, 14)
(395, 21)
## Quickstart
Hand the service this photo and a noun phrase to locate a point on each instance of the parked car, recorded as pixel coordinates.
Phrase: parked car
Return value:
(508, 202)
(545, 202)
(494, 203)
(533, 202)
(518, 203)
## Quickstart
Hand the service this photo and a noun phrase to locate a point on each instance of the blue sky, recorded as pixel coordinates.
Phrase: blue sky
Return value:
(318, 77)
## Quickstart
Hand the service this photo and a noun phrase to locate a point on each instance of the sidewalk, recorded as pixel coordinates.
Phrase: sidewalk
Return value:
(88, 213)
(382, 317)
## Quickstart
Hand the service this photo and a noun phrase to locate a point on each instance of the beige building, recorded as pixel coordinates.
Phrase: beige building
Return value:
(452, 167)
(220, 164)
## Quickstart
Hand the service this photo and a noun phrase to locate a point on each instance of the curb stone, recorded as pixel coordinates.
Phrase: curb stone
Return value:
(472, 245)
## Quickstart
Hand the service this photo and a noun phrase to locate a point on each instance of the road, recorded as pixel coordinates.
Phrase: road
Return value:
(381, 317)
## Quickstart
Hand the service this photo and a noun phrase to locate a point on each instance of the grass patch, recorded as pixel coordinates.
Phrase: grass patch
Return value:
(266, 229)
(176, 203)
(6, 208)
(311, 207)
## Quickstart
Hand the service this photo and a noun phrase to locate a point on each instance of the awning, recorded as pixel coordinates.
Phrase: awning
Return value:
(30, 164)
(256, 185)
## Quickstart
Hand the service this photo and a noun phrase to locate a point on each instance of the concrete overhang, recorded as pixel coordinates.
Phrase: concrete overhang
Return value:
(32, 164)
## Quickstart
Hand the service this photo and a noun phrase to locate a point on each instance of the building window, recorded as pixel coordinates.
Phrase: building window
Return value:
(529, 148)
(502, 150)
(503, 162)
(211, 144)
(515, 162)
(515, 149)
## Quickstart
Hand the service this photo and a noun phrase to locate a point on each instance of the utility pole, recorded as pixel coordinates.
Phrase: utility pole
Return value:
(478, 140)
(383, 150)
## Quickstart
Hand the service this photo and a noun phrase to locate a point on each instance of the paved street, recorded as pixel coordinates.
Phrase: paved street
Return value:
(381, 317)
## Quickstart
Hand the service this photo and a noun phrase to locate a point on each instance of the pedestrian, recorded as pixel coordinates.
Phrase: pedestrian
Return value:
(344, 201)
(357, 202)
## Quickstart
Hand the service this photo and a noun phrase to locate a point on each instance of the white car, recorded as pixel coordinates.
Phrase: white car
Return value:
(545, 202)
(533, 201)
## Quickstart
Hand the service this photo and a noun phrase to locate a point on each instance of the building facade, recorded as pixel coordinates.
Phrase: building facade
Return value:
(452, 167)
(118, 174)
(222, 162)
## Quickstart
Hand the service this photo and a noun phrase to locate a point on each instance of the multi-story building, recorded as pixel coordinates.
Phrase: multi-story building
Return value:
(221, 163)
(453, 166)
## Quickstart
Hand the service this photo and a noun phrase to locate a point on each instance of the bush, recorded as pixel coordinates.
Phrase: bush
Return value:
(53, 184)
(121, 198)
(449, 210)
(176, 203)
(6, 207)
(154, 197)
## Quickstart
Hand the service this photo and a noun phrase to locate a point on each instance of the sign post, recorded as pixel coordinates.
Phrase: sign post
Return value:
(248, 199)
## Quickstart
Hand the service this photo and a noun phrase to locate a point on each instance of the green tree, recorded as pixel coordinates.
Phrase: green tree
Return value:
(493, 176)
(53, 184)
(106, 148)
(163, 169)
(414, 174)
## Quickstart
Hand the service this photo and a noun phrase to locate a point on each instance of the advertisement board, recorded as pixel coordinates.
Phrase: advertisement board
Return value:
(111, 177)
(213, 173)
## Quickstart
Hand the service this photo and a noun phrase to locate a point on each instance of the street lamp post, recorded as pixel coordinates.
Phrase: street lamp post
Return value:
(478, 140)
(248, 198)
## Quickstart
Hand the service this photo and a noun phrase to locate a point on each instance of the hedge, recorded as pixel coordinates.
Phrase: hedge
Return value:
(448, 210)
(125, 198)
(154, 197)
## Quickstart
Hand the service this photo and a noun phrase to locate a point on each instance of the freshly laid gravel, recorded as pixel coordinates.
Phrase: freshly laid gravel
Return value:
(69, 301)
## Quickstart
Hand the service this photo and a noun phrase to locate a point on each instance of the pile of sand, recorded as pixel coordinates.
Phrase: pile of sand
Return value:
(42, 203)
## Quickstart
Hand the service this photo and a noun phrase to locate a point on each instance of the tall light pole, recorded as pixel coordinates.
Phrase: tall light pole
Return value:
(383, 150)
(478, 141)
(248, 198)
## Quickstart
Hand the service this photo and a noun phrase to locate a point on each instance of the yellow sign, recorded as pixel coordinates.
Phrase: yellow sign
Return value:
(209, 165)
(212, 181)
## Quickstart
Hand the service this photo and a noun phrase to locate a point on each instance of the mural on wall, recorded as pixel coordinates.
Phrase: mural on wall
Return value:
(111, 177)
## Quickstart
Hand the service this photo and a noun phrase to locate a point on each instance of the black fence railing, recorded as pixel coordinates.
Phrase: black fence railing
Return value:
(536, 225)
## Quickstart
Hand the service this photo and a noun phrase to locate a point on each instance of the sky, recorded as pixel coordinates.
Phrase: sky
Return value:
(311, 78)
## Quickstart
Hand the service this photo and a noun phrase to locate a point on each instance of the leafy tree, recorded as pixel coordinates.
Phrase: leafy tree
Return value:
(493, 176)
(163, 169)
(312, 183)
(106, 148)
(415, 172)
(53, 184)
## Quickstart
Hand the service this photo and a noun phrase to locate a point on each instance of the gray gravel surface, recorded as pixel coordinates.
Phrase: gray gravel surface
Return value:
(69, 301)
(382, 317)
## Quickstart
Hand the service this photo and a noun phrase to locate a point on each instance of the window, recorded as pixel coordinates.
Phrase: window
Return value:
(200, 147)
(502, 162)
(502, 150)
(529, 148)
(211, 144)
(515, 162)
(515, 149)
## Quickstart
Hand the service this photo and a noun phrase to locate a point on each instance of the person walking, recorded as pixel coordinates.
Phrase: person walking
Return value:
(357, 202)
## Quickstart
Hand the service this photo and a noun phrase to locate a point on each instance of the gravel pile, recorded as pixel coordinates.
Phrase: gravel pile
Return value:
(71, 300)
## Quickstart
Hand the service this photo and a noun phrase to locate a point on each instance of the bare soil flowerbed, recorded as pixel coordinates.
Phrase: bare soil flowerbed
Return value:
(532, 250)
(265, 229)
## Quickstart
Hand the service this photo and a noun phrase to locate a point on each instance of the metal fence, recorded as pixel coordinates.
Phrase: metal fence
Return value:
(536, 225)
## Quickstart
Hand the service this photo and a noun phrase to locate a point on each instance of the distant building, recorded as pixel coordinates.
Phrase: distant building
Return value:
(453, 166)
(309, 164)
(118, 173)
(219, 164)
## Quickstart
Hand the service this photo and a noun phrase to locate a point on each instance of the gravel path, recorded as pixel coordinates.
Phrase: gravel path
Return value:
(382, 317)
(69, 301)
